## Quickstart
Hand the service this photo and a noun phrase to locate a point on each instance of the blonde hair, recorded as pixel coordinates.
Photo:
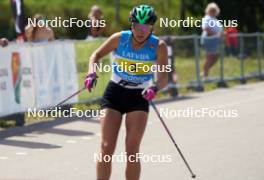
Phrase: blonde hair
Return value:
(212, 6)
(94, 9)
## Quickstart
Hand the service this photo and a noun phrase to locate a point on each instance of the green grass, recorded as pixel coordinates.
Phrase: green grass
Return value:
(6, 123)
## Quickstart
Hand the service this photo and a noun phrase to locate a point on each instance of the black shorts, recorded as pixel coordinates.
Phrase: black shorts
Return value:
(123, 99)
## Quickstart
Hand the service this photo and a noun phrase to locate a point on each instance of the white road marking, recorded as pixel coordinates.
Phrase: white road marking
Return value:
(86, 138)
(3, 157)
(98, 134)
(40, 149)
(71, 141)
(21, 153)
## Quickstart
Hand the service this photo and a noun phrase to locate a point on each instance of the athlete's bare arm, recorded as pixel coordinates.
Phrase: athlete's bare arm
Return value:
(108, 46)
(162, 60)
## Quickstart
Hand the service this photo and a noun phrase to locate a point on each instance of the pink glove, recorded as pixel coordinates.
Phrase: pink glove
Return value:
(90, 81)
(150, 93)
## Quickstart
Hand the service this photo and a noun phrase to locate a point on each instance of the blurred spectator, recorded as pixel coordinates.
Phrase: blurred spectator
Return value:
(3, 42)
(37, 33)
(231, 41)
(212, 30)
(17, 7)
(95, 15)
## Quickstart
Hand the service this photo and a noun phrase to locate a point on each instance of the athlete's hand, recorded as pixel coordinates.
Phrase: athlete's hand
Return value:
(90, 81)
(149, 93)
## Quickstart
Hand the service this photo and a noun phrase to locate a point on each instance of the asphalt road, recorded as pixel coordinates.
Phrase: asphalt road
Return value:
(217, 148)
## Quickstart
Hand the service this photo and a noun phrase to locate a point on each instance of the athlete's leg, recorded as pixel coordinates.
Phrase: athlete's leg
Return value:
(135, 127)
(110, 125)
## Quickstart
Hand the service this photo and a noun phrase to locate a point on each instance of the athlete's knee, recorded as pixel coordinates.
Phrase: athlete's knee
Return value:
(107, 147)
(132, 145)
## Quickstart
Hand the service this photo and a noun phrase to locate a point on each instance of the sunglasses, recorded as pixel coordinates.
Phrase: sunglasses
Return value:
(142, 27)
